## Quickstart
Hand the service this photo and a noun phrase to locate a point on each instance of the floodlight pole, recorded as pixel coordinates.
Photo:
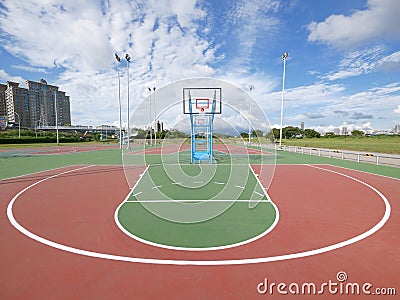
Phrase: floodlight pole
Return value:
(250, 88)
(19, 124)
(128, 59)
(119, 101)
(56, 113)
(155, 117)
(284, 56)
(151, 122)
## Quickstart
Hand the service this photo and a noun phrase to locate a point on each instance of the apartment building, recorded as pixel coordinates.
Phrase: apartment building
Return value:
(35, 105)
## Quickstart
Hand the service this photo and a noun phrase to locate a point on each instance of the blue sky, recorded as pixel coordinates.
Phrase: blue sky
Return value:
(343, 65)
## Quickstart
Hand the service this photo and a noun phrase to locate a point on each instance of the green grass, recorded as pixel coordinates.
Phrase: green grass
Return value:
(380, 144)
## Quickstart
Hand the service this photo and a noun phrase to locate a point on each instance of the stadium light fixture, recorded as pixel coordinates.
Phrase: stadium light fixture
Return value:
(56, 116)
(151, 122)
(119, 101)
(19, 124)
(128, 59)
(155, 117)
(251, 87)
(284, 57)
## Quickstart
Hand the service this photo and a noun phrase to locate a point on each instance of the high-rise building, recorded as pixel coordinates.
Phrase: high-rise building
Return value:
(3, 111)
(36, 105)
(396, 128)
(302, 126)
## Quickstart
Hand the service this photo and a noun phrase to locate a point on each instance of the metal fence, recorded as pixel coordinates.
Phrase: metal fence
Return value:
(366, 157)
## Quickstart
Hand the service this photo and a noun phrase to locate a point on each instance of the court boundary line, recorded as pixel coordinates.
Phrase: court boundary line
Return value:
(196, 201)
(365, 172)
(156, 261)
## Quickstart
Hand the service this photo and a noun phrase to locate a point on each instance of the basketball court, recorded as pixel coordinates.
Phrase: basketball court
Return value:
(202, 218)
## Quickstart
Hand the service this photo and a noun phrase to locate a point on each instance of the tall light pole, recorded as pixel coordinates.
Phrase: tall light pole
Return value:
(151, 122)
(56, 115)
(128, 59)
(19, 124)
(284, 56)
(155, 117)
(119, 101)
(250, 89)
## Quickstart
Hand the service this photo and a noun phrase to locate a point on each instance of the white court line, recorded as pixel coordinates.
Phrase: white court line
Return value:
(194, 201)
(136, 194)
(240, 187)
(156, 187)
(257, 260)
(216, 182)
(177, 183)
(258, 193)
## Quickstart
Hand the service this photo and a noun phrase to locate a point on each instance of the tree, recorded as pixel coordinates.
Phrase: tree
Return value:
(330, 134)
(357, 133)
(291, 132)
(257, 133)
(244, 135)
(311, 133)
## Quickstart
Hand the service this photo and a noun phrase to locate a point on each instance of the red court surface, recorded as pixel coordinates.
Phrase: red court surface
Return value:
(323, 217)
(65, 149)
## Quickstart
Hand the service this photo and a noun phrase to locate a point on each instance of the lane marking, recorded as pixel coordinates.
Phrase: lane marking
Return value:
(136, 194)
(240, 187)
(156, 187)
(195, 201)
(216, 182)
(156, 261)
(258, 193)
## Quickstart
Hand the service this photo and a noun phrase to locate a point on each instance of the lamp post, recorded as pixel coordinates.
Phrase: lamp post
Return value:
(284, 56)
(128, 59)
(56, 115)
(250, 89)
(155, 117)
(119, 101)
(19, 125)
(37, 125)
(151, 126)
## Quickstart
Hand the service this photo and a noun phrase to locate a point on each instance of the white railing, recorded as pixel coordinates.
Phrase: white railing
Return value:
(367, 157)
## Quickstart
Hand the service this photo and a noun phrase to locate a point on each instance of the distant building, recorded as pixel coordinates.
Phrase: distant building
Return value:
(3, 110)
(344, 130)
(336, 131)
(35, 106)
(302, 126)
(396, 128)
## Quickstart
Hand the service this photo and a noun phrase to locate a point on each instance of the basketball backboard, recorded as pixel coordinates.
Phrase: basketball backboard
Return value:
(202, 100)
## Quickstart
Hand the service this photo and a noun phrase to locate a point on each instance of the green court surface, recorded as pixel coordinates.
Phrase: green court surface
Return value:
(192, 206)
(16, 162)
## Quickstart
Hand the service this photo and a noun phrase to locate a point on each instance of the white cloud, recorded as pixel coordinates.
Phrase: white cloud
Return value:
(365, 61)
(397, 110)
(316, 94)
(380, 19)
(80, 38)
(4, 77)
(252, 22)
(313, 115)
(390, 62)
